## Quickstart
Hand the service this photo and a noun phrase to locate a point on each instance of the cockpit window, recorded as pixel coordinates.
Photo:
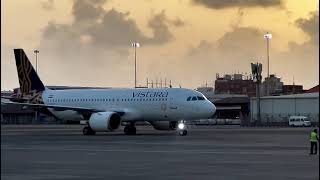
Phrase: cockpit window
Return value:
(201, 98)
(194, 98)
(188, 99)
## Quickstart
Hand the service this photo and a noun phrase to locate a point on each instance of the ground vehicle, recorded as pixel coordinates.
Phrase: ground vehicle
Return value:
(299, 121)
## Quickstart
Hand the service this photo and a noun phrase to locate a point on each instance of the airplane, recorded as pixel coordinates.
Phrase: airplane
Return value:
(105, 110)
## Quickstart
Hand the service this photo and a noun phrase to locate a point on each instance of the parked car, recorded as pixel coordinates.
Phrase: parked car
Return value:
(299, 121)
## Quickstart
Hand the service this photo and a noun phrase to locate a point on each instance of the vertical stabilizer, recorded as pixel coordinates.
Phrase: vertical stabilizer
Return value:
(28, 78)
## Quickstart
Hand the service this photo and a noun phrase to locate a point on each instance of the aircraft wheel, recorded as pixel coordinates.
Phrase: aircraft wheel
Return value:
(130, 130)
(88, 131)
(92, 132)
(183, 133)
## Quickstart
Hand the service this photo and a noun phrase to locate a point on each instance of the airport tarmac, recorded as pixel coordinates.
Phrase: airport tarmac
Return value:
(220, 153)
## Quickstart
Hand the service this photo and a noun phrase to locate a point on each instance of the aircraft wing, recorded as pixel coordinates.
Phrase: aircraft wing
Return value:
(7, 97)
(81, 110)
(15, 99)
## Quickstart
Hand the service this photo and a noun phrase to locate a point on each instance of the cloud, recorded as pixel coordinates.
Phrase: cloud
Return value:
(87, 10)
(310, 26)
(221, 4)
(247, 40)
(304, 55)
(232, 52)
(47, 5)
(115, 30)
(178, 22)
(100, 39)
(240, 46)
(238, 20)
(161, 33)
(204, 46)
(106, 29)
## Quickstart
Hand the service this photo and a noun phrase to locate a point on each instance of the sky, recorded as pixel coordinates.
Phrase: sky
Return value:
(88, 42)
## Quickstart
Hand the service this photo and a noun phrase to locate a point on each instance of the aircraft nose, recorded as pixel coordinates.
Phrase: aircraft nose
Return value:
(211, 109)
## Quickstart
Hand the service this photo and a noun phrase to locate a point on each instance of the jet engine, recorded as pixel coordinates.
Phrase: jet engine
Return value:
(104, 121)
(164, 125)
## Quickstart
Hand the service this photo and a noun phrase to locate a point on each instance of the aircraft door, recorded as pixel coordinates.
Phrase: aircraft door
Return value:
(172, 104)
(173, 109)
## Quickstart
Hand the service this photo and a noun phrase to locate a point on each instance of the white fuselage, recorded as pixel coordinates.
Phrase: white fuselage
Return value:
(161, 104)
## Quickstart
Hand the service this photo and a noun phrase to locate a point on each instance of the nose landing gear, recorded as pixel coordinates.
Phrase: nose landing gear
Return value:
(182, 128)
(183, 132)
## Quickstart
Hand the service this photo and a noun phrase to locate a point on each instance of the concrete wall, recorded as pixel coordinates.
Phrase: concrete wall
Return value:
(277, 109)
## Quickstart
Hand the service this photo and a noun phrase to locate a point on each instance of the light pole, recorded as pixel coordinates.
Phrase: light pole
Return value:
(268, 36)
(36, 52)
(135, 45)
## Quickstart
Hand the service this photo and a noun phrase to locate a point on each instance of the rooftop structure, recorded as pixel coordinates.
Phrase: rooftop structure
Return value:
(314, 89)
(271, 85)
(235, 84)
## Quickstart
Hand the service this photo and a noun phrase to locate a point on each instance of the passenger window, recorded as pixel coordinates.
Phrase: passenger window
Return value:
(194, 98)
(188, 99)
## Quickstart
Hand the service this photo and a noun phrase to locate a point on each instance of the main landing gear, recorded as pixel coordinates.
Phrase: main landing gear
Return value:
(88, 131)
(130, 129)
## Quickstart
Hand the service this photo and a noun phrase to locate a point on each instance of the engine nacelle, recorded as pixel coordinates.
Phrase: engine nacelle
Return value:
(104, 121)
(164, 125)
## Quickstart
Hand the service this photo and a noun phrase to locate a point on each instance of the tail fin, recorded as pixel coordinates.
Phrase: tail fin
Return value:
(28, 79)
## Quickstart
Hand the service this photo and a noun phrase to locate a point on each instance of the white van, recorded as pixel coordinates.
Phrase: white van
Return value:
(299, 121)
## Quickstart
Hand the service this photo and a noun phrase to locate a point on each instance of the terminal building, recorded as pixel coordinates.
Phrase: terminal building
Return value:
(235, 97)
(276, 110)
